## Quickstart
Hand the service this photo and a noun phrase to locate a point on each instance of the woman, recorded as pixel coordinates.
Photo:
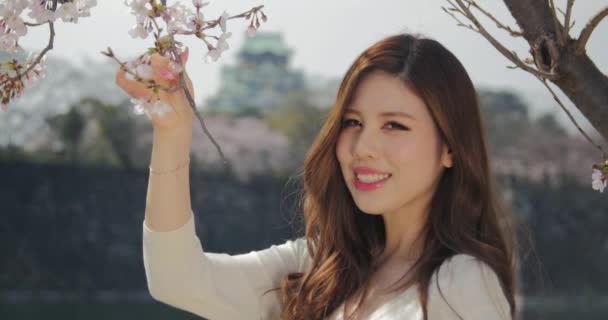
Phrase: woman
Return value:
(399, 206)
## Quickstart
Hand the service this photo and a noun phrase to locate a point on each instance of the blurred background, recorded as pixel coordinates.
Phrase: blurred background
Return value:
(74, 156)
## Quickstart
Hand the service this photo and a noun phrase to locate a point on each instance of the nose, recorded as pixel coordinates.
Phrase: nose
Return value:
(365, 145)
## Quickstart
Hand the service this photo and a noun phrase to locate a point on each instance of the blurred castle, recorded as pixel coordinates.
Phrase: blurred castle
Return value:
(261, 78)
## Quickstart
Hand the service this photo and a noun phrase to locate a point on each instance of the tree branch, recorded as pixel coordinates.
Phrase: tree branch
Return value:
(464, 10)
(559, 29)
(556, 60)
(586, 32)
(577, 76)
(182, 83)
(48, 47)
(514, 33)
(460, 23)
(570, 115)
(567, 17)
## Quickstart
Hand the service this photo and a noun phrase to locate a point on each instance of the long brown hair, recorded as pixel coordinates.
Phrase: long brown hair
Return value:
(466, 215)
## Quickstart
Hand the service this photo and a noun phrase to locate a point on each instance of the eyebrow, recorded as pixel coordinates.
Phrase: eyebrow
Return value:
(384, 114)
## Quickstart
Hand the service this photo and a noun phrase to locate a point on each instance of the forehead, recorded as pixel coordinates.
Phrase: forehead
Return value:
(381, 92)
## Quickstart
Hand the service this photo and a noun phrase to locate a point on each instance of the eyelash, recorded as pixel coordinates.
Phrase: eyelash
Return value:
(345, 123)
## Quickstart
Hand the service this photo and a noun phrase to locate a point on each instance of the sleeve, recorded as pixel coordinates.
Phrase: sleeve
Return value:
(469, 288)
(214, 285)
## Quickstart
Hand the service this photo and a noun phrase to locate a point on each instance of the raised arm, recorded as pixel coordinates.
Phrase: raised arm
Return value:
(178, 271)
(168, 198)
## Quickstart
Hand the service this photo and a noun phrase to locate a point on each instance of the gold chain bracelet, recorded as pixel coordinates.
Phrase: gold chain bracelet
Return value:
(182, 165)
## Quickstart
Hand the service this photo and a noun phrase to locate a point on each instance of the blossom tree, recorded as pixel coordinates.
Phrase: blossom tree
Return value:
(557, 58)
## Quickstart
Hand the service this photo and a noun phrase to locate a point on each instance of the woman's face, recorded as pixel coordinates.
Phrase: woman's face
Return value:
(389, 148)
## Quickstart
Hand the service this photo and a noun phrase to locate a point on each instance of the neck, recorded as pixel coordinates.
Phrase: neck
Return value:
(403, 228)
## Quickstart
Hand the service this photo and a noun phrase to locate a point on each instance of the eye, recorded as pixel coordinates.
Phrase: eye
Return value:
(396, 125)
(349, 123)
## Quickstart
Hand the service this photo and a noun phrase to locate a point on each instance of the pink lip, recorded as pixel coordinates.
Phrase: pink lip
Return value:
(368, 186)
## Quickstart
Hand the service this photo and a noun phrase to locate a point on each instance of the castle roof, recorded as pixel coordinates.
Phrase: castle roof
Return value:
(263, 42)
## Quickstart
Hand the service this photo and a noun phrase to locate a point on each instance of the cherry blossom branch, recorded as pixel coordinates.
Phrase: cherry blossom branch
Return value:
(459, 22)
(48, 47)
(182, 84)
(586, 32)
(247, 15)
(166, 45)
(460, 7)
(544, 82)
(514, 33)
(567, 17)
(559, 30)
(547, 42)
(11, 82)
(33, 24)
(213, 23)
(151, 83)
(17, 87)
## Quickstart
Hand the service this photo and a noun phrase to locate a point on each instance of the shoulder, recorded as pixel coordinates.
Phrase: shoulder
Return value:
(462, 268)
(468, 286)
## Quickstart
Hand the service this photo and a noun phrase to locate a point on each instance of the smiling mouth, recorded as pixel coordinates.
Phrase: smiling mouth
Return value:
(369, 182)
(372, 178)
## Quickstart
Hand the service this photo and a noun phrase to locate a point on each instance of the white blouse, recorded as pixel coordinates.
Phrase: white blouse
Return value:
(219, 286)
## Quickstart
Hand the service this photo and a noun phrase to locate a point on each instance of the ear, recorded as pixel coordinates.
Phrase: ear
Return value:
(446, 156)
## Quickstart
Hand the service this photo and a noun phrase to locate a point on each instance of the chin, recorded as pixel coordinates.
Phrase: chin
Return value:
(372, 213)
(371, 210)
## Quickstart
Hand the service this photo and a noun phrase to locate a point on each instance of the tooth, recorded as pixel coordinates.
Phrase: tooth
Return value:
(372, 177)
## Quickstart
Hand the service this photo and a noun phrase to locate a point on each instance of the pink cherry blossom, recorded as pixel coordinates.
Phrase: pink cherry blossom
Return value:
(198, 4)
(196, 21)
(138, 7)
(160, 108)
(8, 43)
(213, 55)
(223, 20)
(144, 71)
(139, 106)
(173, 66)
(251, 31)
(40, 13)
(222, 44)
(598, 180)
(138, 31)
(15, 23)
(68, 12)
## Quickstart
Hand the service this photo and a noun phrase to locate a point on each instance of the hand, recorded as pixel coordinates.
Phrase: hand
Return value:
(181, 114)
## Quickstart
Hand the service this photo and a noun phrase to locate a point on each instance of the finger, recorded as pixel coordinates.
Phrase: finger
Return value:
(157, 61)
(133, 88)
(184, 56)
(161, 72)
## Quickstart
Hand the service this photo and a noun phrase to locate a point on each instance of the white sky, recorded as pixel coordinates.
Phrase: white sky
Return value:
(326, 37)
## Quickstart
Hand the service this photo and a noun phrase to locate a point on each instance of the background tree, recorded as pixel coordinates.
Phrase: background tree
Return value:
(299, 120)
(69, 127)
(117, 126)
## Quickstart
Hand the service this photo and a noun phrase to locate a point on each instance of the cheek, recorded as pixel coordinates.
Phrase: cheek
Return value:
(418, 163)
(342, 148)
(411, 154)
(402, 152)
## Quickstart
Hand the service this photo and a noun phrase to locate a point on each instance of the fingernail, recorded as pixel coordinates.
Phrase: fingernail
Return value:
(166, 74)
(185, 54)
